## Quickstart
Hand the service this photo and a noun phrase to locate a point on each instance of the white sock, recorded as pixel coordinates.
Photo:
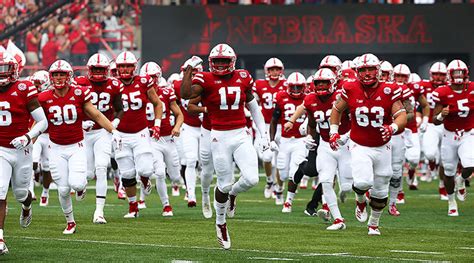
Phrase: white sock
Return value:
(66, 205)
(331, 200)
(142, 193)
(101, 182)
(190, 175)
(220, 212)
(32, 186)
(441, 183)
(162, 191)
(1, 233)
(393, 192)
(45, 192)
(289, 197)
(99, 204)
(451, 198)
(361, 198)
(132, 199)
(374, 217)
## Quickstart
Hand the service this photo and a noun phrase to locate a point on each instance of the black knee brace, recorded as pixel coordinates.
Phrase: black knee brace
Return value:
(358, 191)
(378, 204)
(395, 182)
(129, 182)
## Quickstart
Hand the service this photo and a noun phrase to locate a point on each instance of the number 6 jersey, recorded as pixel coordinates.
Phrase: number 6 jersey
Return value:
(370, 109)
(65, 114)
(225, 98)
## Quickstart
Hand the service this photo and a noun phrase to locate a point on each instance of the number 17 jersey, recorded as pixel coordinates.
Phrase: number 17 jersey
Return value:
(370, 109)
(225, 98)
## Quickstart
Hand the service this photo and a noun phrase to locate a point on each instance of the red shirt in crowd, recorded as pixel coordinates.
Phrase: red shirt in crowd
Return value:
(30, 46)
(80, 47)
(93, 30)
(50, 52)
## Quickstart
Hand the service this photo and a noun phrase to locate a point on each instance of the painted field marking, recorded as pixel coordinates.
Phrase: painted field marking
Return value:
(275, 259)
(466, 248)
(417, 252)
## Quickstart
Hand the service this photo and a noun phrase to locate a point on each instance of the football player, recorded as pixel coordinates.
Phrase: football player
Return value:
(265, 91)
(376, 114)
(67, 105)
(226, 91)
(454, 108)
(18, 103)
(291, 151)
(135, 156)
(106, 97)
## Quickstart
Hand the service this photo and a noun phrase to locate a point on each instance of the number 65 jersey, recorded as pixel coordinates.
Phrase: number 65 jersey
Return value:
(225, 98)
(65, 114)
(370, 109)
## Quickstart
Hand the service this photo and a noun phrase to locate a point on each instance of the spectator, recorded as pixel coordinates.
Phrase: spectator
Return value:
(95, 32)
(111, 24)
(63, 42)
(79, 41)
(50, 52)
(32, 44)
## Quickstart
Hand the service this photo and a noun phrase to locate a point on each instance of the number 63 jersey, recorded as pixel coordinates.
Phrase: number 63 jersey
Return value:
(65, 114)
(370, 109)
(225, 98)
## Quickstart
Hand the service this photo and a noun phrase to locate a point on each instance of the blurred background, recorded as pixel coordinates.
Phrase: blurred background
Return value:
(299, 32)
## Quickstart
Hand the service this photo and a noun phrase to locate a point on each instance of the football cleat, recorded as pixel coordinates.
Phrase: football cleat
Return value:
(286, 208)
(44, 201)
(231, 206)
(141, 204)
(147, 188)
(99, 218)
(401, 197)
(338, 224)
(223, 236)
(25, 221)
(191, 203)
(3, 247)
(361, 211)
(70, 228)
(374, 231)
(324, 213)
(443, 195)
(392, 210)
(175, 190)
(132, 210)
(206, 207)
(80, 195)
(167, 211)
(121, 194)
(310, 212)
(267, 192)
(453, 209)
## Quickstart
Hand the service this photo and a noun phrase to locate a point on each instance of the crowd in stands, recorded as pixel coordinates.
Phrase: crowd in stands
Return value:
(292, 2)
(72, 33)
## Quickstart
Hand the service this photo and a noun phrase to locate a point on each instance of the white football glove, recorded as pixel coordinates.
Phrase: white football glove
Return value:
(87, 125)
(20, 142)
(310, 142)
(274, 146)
(116, 140)
(423, 126)
(116, 122)
(344, 139)
(264, 142)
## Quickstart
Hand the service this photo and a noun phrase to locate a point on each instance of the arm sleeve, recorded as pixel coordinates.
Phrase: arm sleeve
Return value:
(41, 123)
(257, 116)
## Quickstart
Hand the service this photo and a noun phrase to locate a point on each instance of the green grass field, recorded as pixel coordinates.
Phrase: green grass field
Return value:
(259, 232)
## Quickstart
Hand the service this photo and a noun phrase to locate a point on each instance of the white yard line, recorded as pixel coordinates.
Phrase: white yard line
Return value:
(343, 255)
(416, 252)
(466, 248)
(276, 259)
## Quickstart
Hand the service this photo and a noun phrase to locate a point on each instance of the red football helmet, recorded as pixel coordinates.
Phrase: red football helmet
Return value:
(222, 60)
(296, 85)
(98, 67)
(324, 80)
(8, 68)
(368, 69)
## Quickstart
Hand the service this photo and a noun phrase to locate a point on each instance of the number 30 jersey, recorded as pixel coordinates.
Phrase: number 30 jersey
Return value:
(287, 106)
(266, 95)
(461, 107)
(134, 100)
(225, 98)
(370, 109)
(65, 114)
(102, 95)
